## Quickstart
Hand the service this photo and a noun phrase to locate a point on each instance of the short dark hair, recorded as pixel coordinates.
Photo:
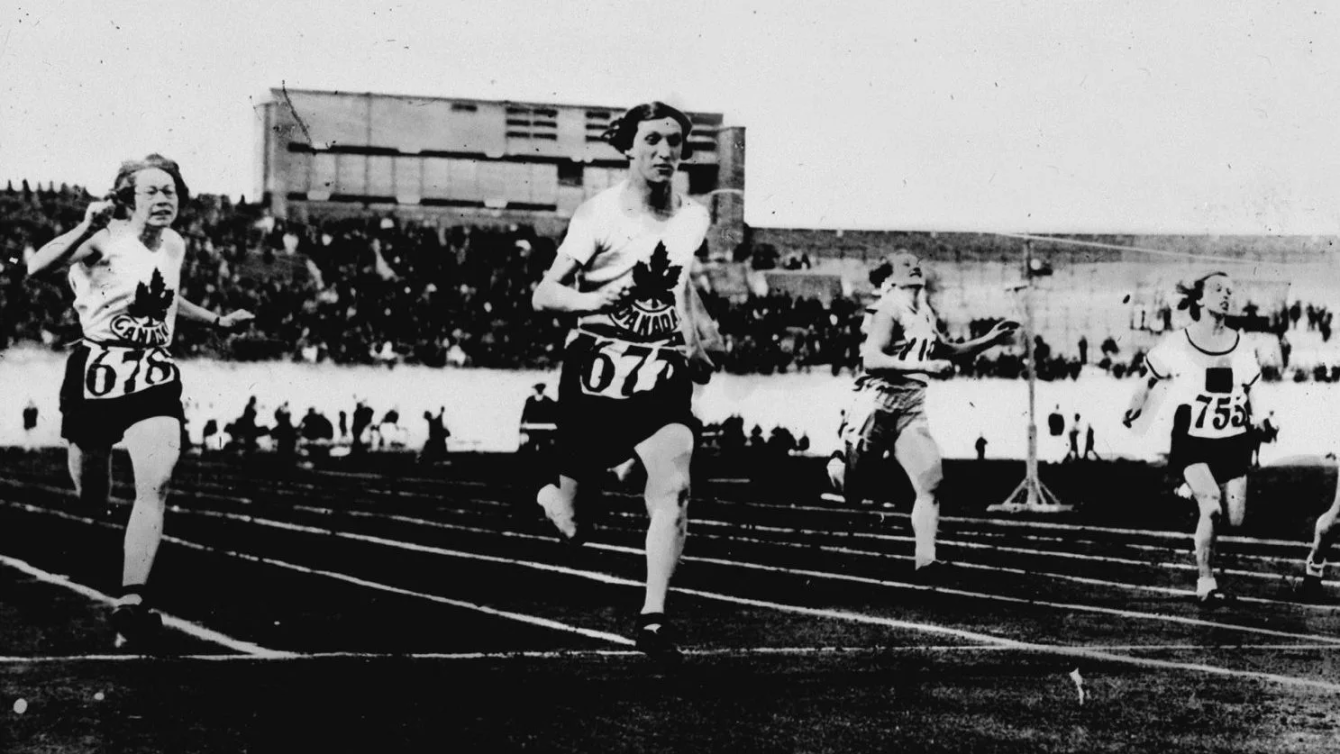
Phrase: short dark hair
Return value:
(124, 185)
(1192, 293)
(621, 132)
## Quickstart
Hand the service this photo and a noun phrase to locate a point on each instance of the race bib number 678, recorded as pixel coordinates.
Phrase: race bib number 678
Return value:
(616, 369)
(114, 372)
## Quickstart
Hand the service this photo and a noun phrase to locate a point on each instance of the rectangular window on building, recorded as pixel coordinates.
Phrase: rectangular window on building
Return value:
(570, 173)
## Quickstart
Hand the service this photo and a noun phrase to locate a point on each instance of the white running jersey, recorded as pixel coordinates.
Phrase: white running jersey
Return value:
(1212, 384)
(128, 296)
(916, 332)
(609, 244)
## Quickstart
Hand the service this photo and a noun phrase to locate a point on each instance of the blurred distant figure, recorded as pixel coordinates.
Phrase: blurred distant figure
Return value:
(362, 420)
(1263, 433)
(1088, 444)
(435, 449)
(317, 432)
(981, 448)
(389, 432)
(539, 408)
(1074, 440)
(1056, 422)
(30, 416)
(344, 426)
(210, 431)
(285, 434)
(244, 430)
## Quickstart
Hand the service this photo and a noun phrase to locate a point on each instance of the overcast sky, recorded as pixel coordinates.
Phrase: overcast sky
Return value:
(1024, 116)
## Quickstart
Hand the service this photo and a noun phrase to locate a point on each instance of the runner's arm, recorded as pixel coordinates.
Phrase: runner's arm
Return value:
(78, 244)
(199, 313)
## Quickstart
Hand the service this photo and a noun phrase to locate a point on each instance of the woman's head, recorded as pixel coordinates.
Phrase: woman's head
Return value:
(1212, 293)
(655, 138)
(150, 189)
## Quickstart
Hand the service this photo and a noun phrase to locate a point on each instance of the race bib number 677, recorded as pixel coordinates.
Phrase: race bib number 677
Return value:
(114, 372)
(616, 369)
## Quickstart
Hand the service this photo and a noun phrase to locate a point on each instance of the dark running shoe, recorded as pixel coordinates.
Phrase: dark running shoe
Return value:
(655, 638)
(137, 627)
(1310, 589)
(933, 573)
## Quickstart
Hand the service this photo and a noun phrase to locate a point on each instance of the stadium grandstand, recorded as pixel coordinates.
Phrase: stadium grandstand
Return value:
(396, 229)
(382, 287)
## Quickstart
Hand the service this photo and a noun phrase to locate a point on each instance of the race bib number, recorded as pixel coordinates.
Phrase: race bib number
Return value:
(1215, 415)
(916, 350)
(616, 369)
(115, 372)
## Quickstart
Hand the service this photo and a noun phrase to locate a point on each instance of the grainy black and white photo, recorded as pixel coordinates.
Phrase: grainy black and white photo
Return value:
(716, 376)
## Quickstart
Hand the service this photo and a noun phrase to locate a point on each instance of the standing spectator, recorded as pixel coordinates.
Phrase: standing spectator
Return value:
(30, 416)
(1074, 440)
(435, 449)
(981, 447)
(285, 434)
(1083, 350)
(362, 420)
(1089, 442)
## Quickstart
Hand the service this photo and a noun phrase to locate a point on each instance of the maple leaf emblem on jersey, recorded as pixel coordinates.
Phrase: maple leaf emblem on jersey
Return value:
(152, 301)
(655, 279)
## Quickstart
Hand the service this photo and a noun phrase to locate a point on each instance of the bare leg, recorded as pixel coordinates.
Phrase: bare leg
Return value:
(919, 456)
(154, 445)
(1210, 502)
(91, 471)
(666, 456)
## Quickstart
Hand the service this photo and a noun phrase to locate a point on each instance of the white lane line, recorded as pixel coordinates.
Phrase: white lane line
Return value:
(968, 545)
(1051, 649)
(1004, 522)
(191, 629)
(519, 617)
(574, 654)
(965, 544)
(606, 578)
(433, 524)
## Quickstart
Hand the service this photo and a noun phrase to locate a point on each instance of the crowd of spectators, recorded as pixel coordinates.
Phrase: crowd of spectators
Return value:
(384, 290)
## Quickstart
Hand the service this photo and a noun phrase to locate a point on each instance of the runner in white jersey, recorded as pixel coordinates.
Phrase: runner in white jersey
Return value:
(625, 269)
(121, 382)
(903, 349)
(1210, 373)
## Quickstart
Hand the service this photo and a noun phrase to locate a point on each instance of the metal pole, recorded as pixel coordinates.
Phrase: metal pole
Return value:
(1032, 466)
(1030, 495)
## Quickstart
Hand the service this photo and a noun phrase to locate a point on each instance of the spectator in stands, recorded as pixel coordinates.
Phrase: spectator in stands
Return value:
(362, 421)
(981, 447)
(1073, 453)
(435, 448)
(539, 408)
(317, 432)
(30, 416)
(285, 434)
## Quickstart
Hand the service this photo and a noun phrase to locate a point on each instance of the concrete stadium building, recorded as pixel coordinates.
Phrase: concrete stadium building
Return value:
(323, 153)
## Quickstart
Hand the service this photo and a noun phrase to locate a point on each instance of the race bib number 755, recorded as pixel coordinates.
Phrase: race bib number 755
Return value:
(1215, 415)
(616, 369)
(113, 371)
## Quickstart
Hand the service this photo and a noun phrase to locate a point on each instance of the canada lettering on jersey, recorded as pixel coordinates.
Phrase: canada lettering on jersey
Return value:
(144, 322)
(652, 312)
